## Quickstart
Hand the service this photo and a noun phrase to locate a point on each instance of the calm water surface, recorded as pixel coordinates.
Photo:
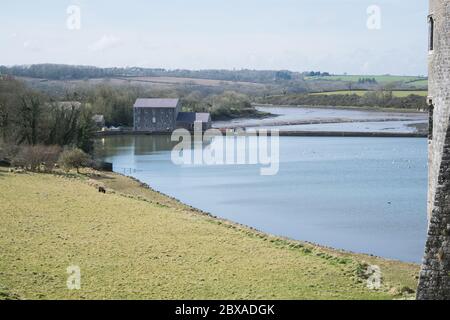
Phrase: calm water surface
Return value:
(366, 195)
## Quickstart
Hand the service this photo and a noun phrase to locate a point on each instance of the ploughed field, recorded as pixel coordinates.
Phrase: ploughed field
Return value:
(134, 243)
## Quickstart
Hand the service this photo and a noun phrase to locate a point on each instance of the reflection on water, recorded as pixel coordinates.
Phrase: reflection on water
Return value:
(141, 145)
(361, 194)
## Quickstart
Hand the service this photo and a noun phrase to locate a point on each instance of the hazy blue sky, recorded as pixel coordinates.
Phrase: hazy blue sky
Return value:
(327, 35)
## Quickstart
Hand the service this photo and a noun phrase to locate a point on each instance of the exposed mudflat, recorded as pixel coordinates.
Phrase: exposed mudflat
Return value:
(333, 120)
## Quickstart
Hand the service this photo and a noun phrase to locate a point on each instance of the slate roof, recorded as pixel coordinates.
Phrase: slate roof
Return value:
(191, 117)
(156, 103)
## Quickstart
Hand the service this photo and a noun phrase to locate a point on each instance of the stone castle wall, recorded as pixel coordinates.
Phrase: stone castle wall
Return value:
(434, 282)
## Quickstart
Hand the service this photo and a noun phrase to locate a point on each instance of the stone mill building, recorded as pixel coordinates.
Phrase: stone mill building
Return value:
(434, 281)
(164, 116)
(156, 115)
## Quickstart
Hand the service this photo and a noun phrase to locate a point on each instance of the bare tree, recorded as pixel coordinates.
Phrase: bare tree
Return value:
(28, 118)
(37, 158)
(75, 158)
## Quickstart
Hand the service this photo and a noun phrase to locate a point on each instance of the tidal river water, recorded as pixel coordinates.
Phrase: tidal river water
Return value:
(331, 120)
(365, 195)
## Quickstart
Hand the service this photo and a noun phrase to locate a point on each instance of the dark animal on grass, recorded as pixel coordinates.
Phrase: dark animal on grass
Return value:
(101, 190)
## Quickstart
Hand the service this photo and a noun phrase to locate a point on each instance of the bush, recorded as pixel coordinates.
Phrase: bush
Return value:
(74, 159)
(383, 99)
(225, 106)
(37, 158)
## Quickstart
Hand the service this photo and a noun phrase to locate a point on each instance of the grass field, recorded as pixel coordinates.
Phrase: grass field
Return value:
(134, 243)
(379, 79)
(165, 82)
(400, 94)
(189, 81)
(419, 83)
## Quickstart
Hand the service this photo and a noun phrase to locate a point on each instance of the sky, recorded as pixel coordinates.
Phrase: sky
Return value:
(337, 36)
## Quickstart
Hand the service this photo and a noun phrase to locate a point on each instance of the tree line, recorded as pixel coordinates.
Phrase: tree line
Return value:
(32, 118)
(37, 132)
(367, 80)
(69, 72)
(382, 99)
(115, 103)
(225, 106)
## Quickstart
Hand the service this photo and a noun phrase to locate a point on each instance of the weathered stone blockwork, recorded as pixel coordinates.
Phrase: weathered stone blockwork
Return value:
(154, 119)
(156, 115)
(434, 282)
(435, 275)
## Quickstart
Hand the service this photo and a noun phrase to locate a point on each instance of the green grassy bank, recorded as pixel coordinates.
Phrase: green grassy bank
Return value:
(134, 243)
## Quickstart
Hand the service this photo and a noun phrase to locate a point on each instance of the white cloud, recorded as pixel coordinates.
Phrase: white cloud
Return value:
(105, 42)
